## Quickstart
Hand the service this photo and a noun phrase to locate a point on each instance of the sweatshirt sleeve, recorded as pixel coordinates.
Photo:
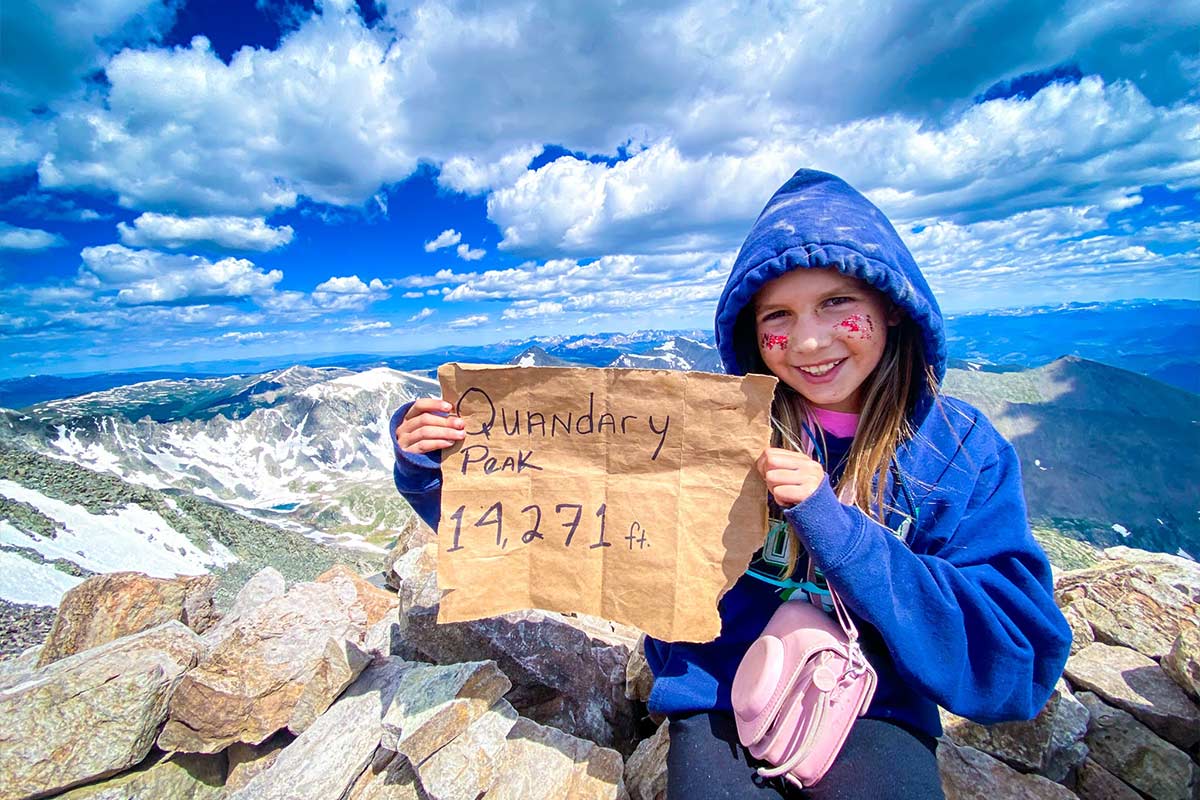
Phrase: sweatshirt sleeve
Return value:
(418, 476)
(970, 622)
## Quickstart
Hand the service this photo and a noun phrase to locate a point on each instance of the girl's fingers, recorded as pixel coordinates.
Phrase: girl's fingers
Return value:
(425, 445)
(424, 405)
(431, 421)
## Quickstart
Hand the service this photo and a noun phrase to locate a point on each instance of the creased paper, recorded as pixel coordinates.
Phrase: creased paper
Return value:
(628, 494)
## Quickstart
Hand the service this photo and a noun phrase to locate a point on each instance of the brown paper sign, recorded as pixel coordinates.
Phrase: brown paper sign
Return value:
(629, 494)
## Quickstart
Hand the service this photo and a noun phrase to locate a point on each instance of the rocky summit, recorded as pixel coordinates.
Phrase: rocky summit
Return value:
(345, 687)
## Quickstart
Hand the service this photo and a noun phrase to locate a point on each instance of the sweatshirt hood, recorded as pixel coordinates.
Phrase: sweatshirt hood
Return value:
(816, 220)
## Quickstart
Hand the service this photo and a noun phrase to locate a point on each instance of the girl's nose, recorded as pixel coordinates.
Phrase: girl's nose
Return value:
(809, 335)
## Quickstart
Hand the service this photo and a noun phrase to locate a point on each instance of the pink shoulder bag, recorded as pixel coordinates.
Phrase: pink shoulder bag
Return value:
(799, 689)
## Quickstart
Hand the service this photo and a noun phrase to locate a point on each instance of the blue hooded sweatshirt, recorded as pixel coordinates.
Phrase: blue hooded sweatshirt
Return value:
(959, 613)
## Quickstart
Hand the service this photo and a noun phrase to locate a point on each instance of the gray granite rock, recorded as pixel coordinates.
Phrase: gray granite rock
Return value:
(277, 665)
(330, 756)
(968, 774)
(1051, 744)
(434, 704)
(1094, 782)
(646, 769)
(93, 714)
(469, 764)
(543, 762)
(1129, 680)
(1130, 751)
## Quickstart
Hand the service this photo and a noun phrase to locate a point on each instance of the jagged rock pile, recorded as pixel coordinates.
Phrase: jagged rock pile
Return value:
(340, 688)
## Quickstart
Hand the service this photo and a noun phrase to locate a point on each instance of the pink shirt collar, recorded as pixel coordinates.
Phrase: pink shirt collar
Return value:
(841, 424)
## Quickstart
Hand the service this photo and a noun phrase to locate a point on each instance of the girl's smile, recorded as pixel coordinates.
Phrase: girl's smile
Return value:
(823, 334)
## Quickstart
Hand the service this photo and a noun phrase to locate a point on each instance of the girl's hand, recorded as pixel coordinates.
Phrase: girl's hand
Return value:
(792, 477)
(423, 430)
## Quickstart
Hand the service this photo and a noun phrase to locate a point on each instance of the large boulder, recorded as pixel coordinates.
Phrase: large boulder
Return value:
(277, 665)
(1130, 751)
(470, 763)
(1051, 744)
(93, 714)
(434, 704)
(115, 604)
(1129, 605)
(1131, 681)
(331, 755)
(1180, 573)
(378, 604)
(968, 774)
(568, 671)
(543, 762)
(183, 776)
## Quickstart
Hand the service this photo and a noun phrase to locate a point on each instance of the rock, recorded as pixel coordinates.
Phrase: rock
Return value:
(1181, 573)
(1128, 605)
(468, 765)
(389, 777)
(1182, 662)
(568, 671)
(377, 603)
(330, 755)
(92, 714)
(1129, 680)
(968, 774)
(646, 769)
(265, 585)
(543, 762)
(639, 680)
(414, 574)
(1094, 782)
(115, 604)
(1081, 629)
(183, 776)
(1131, 752)
(1051, 744)
(18, 668)
(247, 760)
(434, 704)
(278, 665)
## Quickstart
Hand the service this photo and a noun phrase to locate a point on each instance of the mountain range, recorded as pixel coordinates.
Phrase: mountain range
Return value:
(1108, 456)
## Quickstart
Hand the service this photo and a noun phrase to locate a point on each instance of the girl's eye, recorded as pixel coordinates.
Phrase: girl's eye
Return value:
(772, 315)
(839, 301)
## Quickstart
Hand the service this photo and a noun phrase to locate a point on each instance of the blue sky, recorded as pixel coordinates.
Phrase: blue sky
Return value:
(187, 181)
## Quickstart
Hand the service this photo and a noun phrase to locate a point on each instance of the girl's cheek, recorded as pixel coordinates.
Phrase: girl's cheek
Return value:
(770, 341)
(857, 326)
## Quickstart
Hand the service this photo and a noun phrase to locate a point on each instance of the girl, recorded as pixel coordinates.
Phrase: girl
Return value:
(910, 505)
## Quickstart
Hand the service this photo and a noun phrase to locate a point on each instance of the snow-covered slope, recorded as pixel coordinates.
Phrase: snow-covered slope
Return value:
(318, 457)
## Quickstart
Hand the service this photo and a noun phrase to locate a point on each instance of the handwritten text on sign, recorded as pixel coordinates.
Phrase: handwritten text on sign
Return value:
(627, 494)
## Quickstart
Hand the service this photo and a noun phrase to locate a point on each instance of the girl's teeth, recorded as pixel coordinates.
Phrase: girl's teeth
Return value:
(821, 370)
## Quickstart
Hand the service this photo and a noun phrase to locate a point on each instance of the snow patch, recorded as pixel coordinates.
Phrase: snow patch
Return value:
(23, 581)
(1121, 529)
(129, 538)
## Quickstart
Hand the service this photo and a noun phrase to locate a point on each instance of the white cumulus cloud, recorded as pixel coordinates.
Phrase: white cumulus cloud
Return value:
(424, 313)
(232, 233)
(28, 239)
(472, 321)
(468, 253)
(447, 238)
(147, 276)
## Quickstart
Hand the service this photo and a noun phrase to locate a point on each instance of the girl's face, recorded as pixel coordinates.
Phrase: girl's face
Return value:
(822, 333)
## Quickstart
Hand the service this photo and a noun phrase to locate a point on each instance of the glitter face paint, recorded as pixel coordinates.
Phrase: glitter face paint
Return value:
(861, 326)
(770, 340)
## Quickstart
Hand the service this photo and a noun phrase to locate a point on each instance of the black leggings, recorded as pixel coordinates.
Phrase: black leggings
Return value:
(880, 760)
